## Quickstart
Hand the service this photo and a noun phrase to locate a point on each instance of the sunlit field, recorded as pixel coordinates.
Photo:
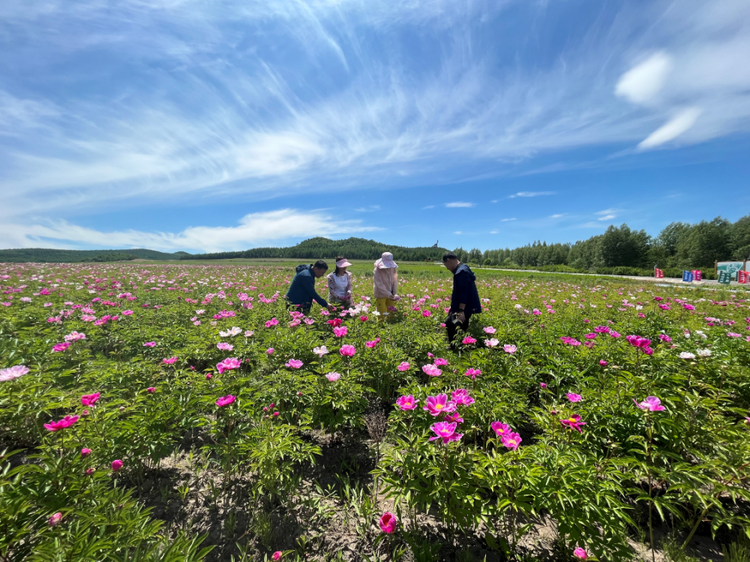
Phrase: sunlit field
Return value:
(181, 412)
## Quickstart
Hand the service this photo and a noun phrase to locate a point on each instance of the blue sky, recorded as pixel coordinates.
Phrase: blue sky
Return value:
(210, 126)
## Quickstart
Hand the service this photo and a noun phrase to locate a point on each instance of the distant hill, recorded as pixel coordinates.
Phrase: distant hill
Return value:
(323, 248)
(45, 255)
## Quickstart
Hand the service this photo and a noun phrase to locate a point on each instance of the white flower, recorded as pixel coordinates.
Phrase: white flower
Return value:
(701, 334)
(704, 353)
(686, 355)
(491, 343)
(320, 351)
(13, 372)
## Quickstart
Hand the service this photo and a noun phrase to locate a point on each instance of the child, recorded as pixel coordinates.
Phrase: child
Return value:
(340, 284)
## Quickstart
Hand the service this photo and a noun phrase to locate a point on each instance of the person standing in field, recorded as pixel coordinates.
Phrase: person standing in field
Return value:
(302, 293)
(340, 283)
(385, 284)
(465, 297)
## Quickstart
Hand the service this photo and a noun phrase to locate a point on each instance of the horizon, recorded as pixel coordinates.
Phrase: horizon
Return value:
(181, 126)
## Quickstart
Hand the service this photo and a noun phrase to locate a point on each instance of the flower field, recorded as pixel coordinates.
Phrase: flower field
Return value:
(183, 413)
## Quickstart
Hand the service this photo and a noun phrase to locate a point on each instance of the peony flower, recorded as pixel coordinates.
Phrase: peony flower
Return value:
(149, 344)
(272, 322)
(151, 389)
(439, 362)
(249, 333)
(340, 332)
(580, 553)
(55, 519)
(468, 340)
(573, 422)
(320, 351)
(74, 336)
(85, 452)
(439, 404)
(404, 366)
(270, 351)
(14, 372)
(333, 377)
(224, 346)
(60, 347)
(511, 440)
(225, 400)
(294, 364)
(509, 348)
(491, 343)
(347, 350)
(90, 399)
(228, 364)
(431, 370)
(603, 363)
(473, 373)
(67, 421)
(686, 355)
(277, 555)
(542, 385)
(170, 361)
(652, 404)
(406, 402)
(573, 397)
(116, 465)
(388, 523)
(372, 343)
(489, 330)
(500, 428)
(703, 352)
(461, 397)
(445, 431)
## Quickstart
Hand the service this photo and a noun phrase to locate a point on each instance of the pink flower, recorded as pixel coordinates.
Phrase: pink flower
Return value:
(149, 344)
(170, 361)
(388, 523)
(340, 332)
(652, 404)
(151, 389)
(570, 341)
(491, 342)
(489, 330)
(404, 366)
(439, 362)
(406, 402)
(90, 399)
(468, 340)
(14, 372)
(473, 373)
(363, 318)
(439, 404)
(603, 363)
(294, 364)
(225, 346)
(75, 336)
(277, 555)
(573, 422)
(542, 385)
(228, 364)
(85, 452)
(333, 377)
(372, 343)
(347, 350)
(116, 465)
(573, 397)
(90, 471)
(733, 335)
(55, 519)
(431, 370)
(461, 397)
(426, 313)
(127, 312)
(580, 554)
(249, 333)
(60, 347)
(511, 440)
(67, 421)
(225, 400)
(454, 417)
(320, 351)
(500, 428)
(445, 431)
(270, 351)
(509, 348)
(272, 322)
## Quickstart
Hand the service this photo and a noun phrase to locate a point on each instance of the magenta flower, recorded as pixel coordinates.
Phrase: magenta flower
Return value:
(454, 417)
(294, 364)
(665, 338)
(85, 452)
(439, 404)
(388, 523)
(573, 397)
(340, 332)
(404, 366)
(431, 370)
(116, 465)
(90, 399)
(468, 340)
(580, 554)
(511, 440)
(170, 361)
(372, 343)
(461, 397)
(55, 519)
(500, 428)
(151, 389)
(542, 385)
(272, 322)
(225, 400)
(440, 362)
(14, 372)
(406, 402)
(509, 348)
(601, 329)
(225, 346)
(652, 404)
(573, 422)
(276, 556)
(614, 334)
(347, 350)
(270, 351)
(149, 344)
(603, 363)
(445, 431)
(570, 341)
(333, 377)
(67, 421)
(61, 347)
(228, 364)
(426, 313)
(473, 373)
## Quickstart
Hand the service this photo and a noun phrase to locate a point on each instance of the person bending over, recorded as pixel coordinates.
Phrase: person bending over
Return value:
(302, 291)
(465, 297)
(385, 284)
(340, 284)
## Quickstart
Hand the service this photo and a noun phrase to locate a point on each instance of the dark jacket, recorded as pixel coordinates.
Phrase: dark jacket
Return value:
(302, 290)
(465, 291)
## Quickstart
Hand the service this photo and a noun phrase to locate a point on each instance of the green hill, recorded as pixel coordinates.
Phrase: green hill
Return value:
(45, 255)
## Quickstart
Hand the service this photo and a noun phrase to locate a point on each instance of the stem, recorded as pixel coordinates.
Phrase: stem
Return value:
(650, 490)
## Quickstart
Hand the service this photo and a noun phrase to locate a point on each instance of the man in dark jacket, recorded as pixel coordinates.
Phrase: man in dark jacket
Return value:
(302, 290)
(465, 297)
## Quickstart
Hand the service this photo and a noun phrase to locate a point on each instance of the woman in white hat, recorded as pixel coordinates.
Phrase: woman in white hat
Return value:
(340, 283)
(385, 284)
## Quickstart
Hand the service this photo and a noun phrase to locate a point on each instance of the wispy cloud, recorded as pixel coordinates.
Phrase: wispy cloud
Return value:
(252, 230)
(459, 204)
(506, 220)
(369, 209)
(557, 216)
(607, 214)
(531, 194)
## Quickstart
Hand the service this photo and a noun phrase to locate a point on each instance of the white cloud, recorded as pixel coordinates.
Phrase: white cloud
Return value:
(458, 232)
(253, 229)
(369, 209)
(531, 194)
(608, 212)
(493, 231)
(643, 82)
(428, 207)
(607, 217)
(506, 220)
(672, 129)
(459, 204)
(557, 216)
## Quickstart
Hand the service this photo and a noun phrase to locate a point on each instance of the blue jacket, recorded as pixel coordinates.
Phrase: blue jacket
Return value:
(465, 291)
(302, 290)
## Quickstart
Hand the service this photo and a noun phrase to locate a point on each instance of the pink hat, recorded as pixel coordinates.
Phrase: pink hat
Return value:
(343, 263)
(386, 261)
